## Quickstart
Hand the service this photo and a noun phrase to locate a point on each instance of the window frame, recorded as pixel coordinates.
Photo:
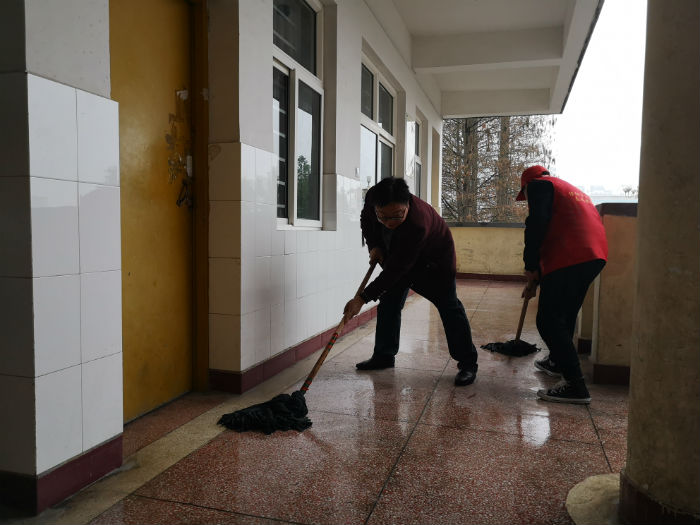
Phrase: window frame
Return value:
(418, 128)
(298, 73)
(372, 124)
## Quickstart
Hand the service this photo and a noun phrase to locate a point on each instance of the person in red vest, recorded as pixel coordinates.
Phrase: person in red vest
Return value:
(565, 249)
(416, 250)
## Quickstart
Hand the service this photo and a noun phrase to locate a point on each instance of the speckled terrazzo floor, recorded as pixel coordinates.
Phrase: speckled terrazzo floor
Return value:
(402, 445)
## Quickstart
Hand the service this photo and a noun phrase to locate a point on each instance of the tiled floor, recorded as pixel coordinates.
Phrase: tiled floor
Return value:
(402, 445)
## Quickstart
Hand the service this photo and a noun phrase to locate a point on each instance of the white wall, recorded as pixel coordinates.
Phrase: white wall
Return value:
(60, 276)
(60, 255)
(293, 283)
(69, 42)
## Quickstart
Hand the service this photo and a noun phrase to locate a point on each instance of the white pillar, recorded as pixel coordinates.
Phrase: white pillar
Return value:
(60, 262)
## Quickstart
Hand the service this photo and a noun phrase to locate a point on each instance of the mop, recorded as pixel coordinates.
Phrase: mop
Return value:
(285, 411)
(514, 347)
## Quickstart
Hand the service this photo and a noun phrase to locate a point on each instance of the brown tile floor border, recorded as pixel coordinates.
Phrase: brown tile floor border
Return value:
(238, 382)
(154, 425)
(137, 510)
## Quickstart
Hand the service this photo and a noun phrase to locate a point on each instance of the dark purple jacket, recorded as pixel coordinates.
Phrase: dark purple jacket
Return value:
(422, 251)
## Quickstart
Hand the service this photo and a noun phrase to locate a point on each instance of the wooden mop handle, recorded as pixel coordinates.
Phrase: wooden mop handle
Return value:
(367, 276)
(522, 320)
(334, 337)
(522, 314)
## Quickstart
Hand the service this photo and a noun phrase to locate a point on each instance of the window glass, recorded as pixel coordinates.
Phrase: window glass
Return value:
(418, 181)
(367, 92)
(308, 149)
(280, 126)
(294, 31)
(368, 157)
(386, 110)
(385, 160)
(417, 148)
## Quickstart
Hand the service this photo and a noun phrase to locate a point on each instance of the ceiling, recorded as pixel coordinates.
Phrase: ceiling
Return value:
(491, 57)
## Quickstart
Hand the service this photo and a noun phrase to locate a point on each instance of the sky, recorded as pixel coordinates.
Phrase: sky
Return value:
(597, 137)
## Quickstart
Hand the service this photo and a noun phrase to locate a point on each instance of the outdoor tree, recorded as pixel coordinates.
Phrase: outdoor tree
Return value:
(483, 158)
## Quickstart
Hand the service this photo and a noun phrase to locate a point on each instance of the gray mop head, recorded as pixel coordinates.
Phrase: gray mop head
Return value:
(284, 412)
(513, 348)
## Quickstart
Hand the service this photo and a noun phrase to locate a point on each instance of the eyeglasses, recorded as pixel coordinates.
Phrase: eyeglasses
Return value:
(384, 218)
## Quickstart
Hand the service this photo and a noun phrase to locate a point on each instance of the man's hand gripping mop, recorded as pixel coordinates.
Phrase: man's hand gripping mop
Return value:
(285, 411)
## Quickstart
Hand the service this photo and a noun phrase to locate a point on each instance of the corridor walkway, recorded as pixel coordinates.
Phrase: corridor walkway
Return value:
(402, 445)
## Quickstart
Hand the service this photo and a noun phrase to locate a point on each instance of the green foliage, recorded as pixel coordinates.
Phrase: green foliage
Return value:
(307, 191)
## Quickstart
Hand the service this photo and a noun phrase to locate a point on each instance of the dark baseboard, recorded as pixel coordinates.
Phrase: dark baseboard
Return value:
(584, 346)
(239, 382)
(491, 277)
(33, 494)
(611, 374)
(637, 508)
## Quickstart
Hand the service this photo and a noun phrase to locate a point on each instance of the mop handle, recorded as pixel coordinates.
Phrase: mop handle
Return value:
(522, 319)
(522, 314)
(334, 337)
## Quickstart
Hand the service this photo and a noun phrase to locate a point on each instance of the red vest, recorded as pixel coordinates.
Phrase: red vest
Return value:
(576, 233)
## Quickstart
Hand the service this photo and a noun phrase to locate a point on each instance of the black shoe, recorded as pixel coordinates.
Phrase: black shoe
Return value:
(376, 362)
(548, 367)
(465, 376)
(567, 392)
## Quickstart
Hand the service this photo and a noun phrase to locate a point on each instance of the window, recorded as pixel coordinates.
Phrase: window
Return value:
(297, 111)
(280, 127)
(377, 141)
(417, 144)
(386, 109)
(308, 153)
(367, 91)
(418, 174)
(417, 160)
(294, 31)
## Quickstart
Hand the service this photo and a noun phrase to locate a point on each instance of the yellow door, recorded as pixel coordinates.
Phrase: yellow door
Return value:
(150, 70)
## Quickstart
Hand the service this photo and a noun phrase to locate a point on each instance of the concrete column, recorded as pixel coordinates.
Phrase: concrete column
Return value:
(661, 481)
(60, 252)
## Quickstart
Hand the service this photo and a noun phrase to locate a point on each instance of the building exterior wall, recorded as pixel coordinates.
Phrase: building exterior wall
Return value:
(489, 250)
(63, 267)
(68, 42)
(613, 336)
(60, 267)
(272, 287)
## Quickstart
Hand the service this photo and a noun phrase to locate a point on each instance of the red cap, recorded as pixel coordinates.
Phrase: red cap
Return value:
(533, 172)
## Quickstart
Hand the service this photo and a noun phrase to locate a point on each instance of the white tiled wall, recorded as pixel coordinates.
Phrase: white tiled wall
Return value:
(102, 399)
(61, 291)
(55, 245)
(56, 329)
(59, 417)
(15, 227)
(17, 449)
(53, 129)
(100, 238)
(100, 315)
(293, 282)
(16, 325)
(98, 140)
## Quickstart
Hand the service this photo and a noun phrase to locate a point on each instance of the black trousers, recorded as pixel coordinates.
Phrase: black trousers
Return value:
(451, 310)
(561, 295)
